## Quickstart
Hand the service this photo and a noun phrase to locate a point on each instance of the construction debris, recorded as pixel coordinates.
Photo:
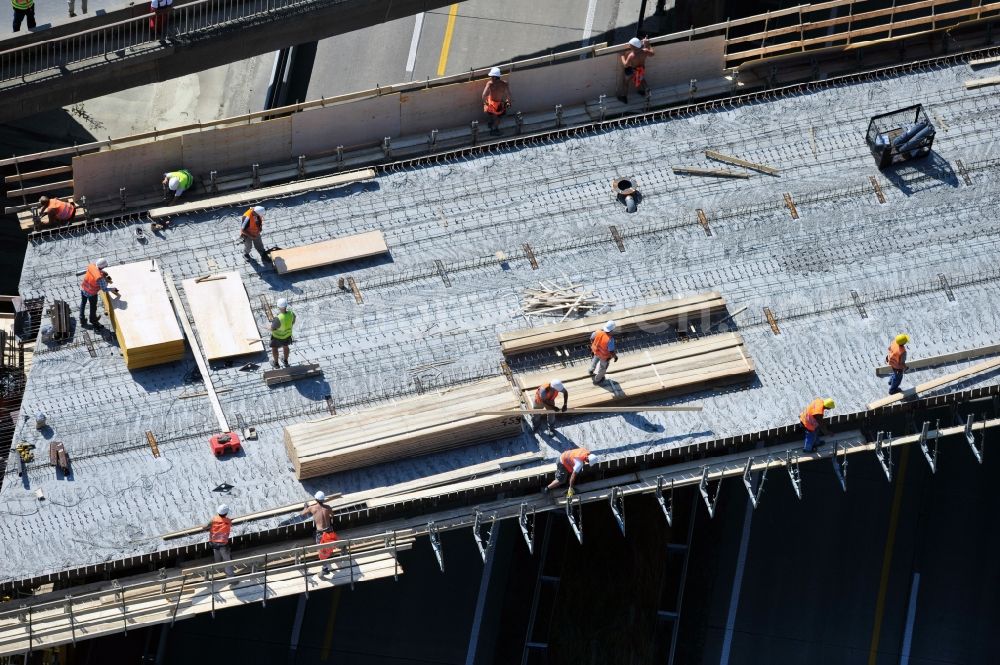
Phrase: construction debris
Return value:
(736, 161)
(554, 299)
(718, 173)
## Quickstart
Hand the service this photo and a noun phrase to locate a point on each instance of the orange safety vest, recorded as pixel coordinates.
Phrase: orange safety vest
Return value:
(64, 210)
(253, 228)
(808, 416)
(546, 394)
(90, 285)
(569, 458)
(638, 74)
(896, 356)
(218, 531)
(328, 537)
(599, 347)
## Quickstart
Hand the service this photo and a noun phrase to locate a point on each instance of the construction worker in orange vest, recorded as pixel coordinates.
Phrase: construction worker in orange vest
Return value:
(496, 100)
(812, 419)
(896, 359)
(569, 466)
(633, 62)
(219, 530)
(322, 516)
(545, 398)
(602, 345)
(94, 281)
(250, 228)
(55, 210)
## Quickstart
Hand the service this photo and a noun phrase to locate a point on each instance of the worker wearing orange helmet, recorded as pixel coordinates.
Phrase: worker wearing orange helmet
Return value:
(896, 358)
(812, 419)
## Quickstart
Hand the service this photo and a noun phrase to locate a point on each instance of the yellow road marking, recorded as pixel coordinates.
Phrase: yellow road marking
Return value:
(328, 633)
(890, 541)
(446, 44)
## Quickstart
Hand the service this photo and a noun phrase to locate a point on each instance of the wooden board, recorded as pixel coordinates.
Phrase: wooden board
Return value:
(979, 83)
(273, 377)
(324, 253)
(142, 316)
(937, 383)
(222, 316)
(943, 359)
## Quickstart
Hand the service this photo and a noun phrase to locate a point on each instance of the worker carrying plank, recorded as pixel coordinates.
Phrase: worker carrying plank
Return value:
(569, 466)
(602, 345)
(545, 398)
(633, 63)
(322, 517)
(812, 419)
(94, 281)
(53, 210)
(250, 230)
(219, 530)
(496, 100)
(896, 359)
(176, 182)
(281, 331)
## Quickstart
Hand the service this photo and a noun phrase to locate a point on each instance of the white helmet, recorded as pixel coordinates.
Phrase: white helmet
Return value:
(319, 496)
(223, 509)
(282, 303)
(172, 184)
(635, 42)
(495, 73)
(101, 263)
(259, 210)
(592, 458)
(557, 384)
(610, 326)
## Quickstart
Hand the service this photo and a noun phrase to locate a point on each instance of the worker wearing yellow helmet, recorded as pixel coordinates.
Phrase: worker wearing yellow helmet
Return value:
(812, 419)
(896, 358)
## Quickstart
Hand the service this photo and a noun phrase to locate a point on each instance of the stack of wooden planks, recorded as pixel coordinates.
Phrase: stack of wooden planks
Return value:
(429, 423)
(673, 313)
(142, 316)
(324, 253)
(554, 299)
(669, 369)
(222, 315)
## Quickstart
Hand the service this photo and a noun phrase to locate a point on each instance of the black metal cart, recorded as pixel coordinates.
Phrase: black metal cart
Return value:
(899, 136)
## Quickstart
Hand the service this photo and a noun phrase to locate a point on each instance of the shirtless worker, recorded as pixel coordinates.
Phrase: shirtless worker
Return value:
(634, 68)
(322, 516)
(496, 100)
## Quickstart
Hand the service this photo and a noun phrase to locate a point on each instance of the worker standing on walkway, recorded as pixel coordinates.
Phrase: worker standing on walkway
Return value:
(94, 281)
(569, 466)
(496, 100)
(250, 229)
(281, 331)
(322, 516)
(812, 419)
(219, 530)
(22, 9)
(602, 345)
(177, 182)
(545, 398)
(72, 7)
(633, 62)
(53, 210)
(896, 358)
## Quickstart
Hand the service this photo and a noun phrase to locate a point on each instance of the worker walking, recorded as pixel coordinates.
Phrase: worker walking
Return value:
(545, 398)
(219, 531)
(896, 358)
(281, 331)
(176, 182)
(94, 281)
(569, 466)
(496, 100)
(250, 229)
(53, 210)
(322, 516)
(602, 345)
(23, 9)
(633, 63)
(812, 419)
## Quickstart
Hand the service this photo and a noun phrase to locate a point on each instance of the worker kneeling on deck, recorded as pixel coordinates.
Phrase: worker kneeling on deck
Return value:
(94, 281)
(322, 516)
(896, 359)
(250, 229)
(496, 100)
(55, 210)
(219, 530)
(176, 182)
(602, 345)
(545, 398)
(812, 420)
(569, 466)
(281, 331)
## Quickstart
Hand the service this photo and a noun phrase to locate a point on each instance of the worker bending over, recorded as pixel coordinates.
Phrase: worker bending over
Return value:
(94, 281)
(569, 466)
(812, 419)
(55, 210)
(176, 182)
(250, 229)
(219, 530)
(496, 100)
(602, 345)
(896, 358)
(545, 398)
(322, 517)
(633, 63)
(281, 331)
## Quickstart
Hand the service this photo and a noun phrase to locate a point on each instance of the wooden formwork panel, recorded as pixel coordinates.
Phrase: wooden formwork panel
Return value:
(222, 315)
(366, 121)
(702, 59)
(238, 147)
(138, 168)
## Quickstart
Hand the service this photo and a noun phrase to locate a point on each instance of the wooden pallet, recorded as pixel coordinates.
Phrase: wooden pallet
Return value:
(338, 250)
(222, 316)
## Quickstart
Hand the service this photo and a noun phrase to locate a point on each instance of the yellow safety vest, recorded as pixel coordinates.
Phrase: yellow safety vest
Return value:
(23, 5)
(285, 321)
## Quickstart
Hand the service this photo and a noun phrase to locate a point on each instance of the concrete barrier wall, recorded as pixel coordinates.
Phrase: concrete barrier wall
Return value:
(138, 168)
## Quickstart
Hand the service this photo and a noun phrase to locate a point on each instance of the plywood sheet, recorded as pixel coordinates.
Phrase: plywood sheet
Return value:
(222, 316)
(238, 147)
(142, 316)
(139, 168)
(366, 121)
(324, 253)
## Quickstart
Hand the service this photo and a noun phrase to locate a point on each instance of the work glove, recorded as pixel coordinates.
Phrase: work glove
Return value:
(115, 291)
(569, 493)
(563, 410)
(616, 358)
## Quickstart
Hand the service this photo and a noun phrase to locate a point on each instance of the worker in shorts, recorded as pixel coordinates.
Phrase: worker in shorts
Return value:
(633, 71)
(569, 466)
(545, 398)
(281, 331)
(496, 100)
(322, 517)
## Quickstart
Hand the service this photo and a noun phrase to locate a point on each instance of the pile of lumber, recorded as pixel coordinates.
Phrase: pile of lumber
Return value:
(672, 369)
(142, 316)
(668, 313)
(222, 315)
(553, 299)
(429, 423)
(338, 250)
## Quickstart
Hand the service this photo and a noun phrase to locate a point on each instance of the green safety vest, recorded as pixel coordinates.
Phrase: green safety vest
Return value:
(285, 321)
(183, 176)
(23, 5)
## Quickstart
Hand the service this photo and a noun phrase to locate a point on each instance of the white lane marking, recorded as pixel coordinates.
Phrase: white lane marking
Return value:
(588, 26)
(911, 613)
(734, 598)
(411, 59)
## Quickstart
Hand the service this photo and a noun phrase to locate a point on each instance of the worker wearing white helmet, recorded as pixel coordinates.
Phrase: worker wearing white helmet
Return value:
(322, 516)
(95, 280)
(176, 182)
(219, 532)
(602, 345)
(633, 62)
(569, 466)
(250, 230)
(496, 100)
(281, 331)
(545, 398)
